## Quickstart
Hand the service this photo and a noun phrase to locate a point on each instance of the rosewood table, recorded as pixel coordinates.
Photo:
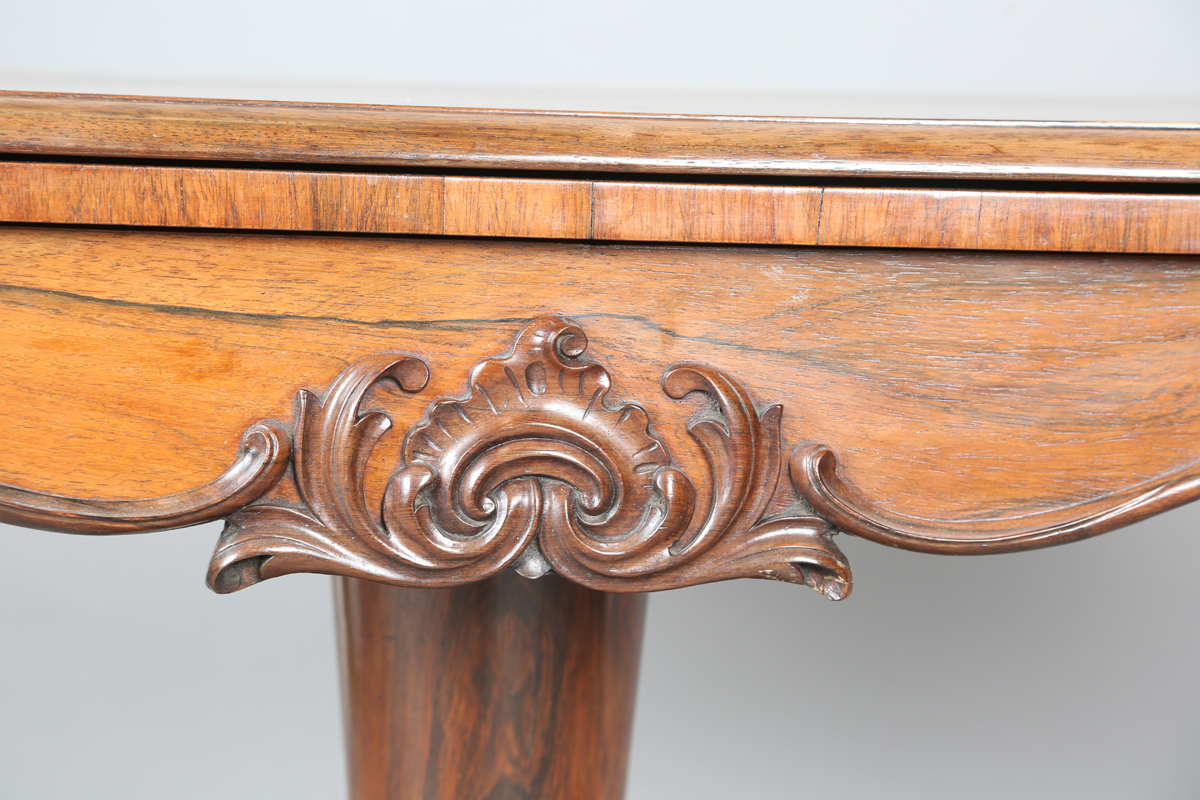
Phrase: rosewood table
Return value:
(503, 373)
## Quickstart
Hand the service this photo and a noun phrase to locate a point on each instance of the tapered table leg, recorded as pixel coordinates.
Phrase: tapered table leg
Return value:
(510, 688)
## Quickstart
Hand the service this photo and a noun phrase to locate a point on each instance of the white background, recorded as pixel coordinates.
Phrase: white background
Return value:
(1069, 672)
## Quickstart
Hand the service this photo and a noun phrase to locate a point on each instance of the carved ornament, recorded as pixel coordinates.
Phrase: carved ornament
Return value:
(537, 467)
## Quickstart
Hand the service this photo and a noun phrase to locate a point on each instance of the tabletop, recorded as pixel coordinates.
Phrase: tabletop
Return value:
(637, 352)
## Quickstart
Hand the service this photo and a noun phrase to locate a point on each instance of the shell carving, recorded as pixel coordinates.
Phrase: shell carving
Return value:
(534, 468)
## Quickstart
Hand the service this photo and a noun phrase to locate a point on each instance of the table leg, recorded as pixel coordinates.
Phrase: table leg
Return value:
(505, 689)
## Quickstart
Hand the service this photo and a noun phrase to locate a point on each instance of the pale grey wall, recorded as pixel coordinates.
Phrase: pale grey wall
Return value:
(1063, 673)
(1068, 672)
(123, 677)
(1064, 47)
(1012, 58)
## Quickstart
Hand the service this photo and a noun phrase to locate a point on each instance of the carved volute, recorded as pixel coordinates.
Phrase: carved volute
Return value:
(538, 466)
(535, 467)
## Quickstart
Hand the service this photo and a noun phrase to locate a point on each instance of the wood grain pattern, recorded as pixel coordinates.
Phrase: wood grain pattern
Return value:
(936, 219)
(1090, 222)
(517, 207)
(1079, 222)
(955, 403)
(164, 128)
(266, 450)
(673, 212)
(80, 194)
(950, 387)
(251, 199)
(507, 689)
(534, 468)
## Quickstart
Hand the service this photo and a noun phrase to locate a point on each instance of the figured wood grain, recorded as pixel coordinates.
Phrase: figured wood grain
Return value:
(1089, 222)
(522, 207)
(265, 455)
(206, 197)
(1078, 222)
(950, 387)
(252, 199)
(166, 128)
(940, 399)
(935, 219)
(508, 689)
(673, 212)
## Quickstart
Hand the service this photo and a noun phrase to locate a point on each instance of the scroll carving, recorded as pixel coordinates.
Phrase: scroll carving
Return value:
(536, 468)
(814, 470)
(266, 449)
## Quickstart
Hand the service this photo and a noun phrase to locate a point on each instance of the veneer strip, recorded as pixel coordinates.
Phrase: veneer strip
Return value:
(216, 198)
(674, 212)
(1079, 222)
(287, 200)
(545, 209)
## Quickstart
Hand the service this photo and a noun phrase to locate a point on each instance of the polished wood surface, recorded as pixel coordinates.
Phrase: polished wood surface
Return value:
(1079, 222)
(950, 388)
(265, 454)
(193, 197)
(639, 351)
(537, 469)
(509, 689)
(288, 200)
(720, 214)
(164, 128)
(522, 207)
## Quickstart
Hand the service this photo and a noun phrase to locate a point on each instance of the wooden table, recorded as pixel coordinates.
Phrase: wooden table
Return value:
(620, 354)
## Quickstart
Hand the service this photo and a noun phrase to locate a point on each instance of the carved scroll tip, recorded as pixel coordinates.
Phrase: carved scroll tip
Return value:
(410, 374)
(571, 342)
(832, 579)
(561, 336)
(236, 576)
(683, 379)
(233, 565)
(834, 583)
(269, 437)
(810, 460)
(833, 587)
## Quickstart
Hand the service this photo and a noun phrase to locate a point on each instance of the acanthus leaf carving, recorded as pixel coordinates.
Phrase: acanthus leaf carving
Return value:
(535, 468)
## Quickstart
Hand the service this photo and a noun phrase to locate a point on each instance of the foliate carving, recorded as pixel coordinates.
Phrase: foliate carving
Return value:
(536, 468)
